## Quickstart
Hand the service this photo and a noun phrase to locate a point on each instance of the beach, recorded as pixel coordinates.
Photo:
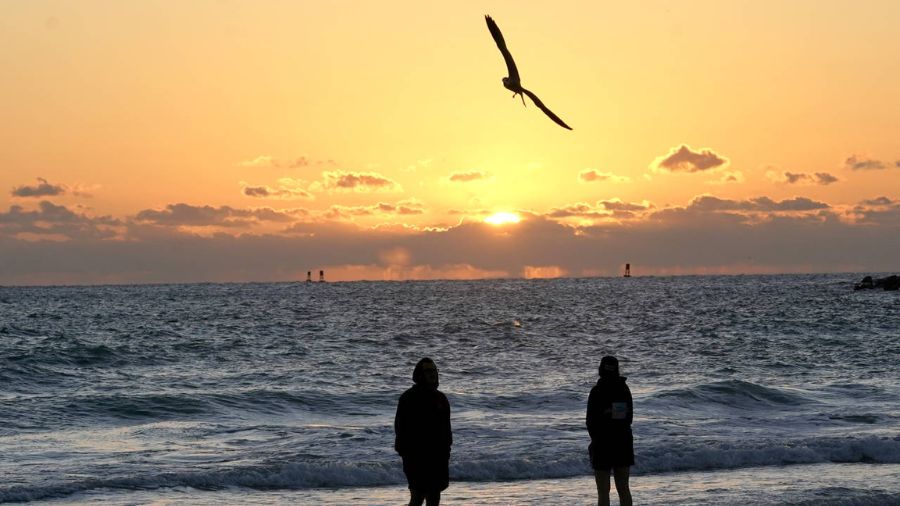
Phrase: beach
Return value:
(818, 484)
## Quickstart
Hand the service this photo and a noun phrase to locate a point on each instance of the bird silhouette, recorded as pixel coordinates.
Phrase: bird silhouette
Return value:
(512, 82)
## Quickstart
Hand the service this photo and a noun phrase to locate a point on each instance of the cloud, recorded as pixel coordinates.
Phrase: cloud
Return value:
(729, 177)
(880, 201)
(178, 215)
(711, 203)
(258, 191)
(824, 178)
(465, 177)
(618, 205)
(603, 210)
(577, 210)
(802, 178)
(403, 208)
(591, 175)
(42, 189)
(288, 189)
(268, 161)
(683, 159)
(881, 211)
(50, 220)
(857, 162)
(340, 180)
(670, 243)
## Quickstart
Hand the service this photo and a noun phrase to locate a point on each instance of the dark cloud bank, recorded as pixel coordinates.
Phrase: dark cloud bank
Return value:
(707, 236)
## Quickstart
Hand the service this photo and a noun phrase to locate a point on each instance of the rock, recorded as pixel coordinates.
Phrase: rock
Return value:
(890, 283)
(866, 283)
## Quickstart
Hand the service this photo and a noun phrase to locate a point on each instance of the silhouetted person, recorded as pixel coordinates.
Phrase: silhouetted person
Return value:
(423, 435)
(609, 414)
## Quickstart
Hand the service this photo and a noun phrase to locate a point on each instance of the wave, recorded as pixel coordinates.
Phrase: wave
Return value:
(73, 352)
(483, 468)
(48, 411)
(852, 498)
(143, 406)
(733, 393)
(726, 454)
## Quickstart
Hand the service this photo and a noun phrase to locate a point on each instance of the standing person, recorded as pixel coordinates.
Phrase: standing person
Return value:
(423, 436)
(609, 414)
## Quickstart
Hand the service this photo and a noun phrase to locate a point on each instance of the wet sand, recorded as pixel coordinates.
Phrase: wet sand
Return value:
(828, 484)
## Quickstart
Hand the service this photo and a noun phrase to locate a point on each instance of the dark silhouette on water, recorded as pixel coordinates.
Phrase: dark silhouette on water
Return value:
(610, 411)
(512, 82)
(424, 436)
(889, 284)
(627, 270)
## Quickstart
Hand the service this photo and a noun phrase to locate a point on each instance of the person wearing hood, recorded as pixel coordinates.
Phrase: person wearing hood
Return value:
(610, 411)
(423, 436)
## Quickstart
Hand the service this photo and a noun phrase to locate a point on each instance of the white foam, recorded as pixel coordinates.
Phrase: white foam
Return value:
(340, 474)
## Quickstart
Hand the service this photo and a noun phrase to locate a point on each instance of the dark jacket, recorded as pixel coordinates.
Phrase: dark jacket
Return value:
(610, 408)
(422, 423)
(609, 415)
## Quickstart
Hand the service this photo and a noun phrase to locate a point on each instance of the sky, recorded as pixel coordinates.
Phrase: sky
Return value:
(159, 141)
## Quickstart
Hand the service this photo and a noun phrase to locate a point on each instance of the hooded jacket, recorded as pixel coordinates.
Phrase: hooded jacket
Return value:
(422, 423)
(610, 408)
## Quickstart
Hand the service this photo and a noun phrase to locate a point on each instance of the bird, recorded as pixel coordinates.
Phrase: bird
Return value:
(512, 81)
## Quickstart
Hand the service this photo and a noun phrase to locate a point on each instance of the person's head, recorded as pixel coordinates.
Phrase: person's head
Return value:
(426, 373)
(609, 367)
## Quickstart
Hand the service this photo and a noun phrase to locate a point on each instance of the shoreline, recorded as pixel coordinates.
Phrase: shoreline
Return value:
(831, 483)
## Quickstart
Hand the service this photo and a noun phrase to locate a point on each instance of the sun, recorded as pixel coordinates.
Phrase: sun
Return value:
(503, 218)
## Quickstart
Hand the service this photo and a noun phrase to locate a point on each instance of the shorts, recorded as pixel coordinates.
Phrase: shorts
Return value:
(612, 451)
(427, 473)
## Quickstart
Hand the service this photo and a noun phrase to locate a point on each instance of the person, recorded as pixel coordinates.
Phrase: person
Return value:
(610, 411)
(423, 436)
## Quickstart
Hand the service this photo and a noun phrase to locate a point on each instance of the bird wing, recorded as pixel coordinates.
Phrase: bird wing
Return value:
(501, 44)
(544, 108)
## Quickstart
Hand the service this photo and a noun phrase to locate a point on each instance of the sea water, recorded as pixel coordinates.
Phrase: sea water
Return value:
(751, 389)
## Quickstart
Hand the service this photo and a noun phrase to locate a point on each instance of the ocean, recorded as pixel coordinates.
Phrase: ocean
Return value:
(747, 389)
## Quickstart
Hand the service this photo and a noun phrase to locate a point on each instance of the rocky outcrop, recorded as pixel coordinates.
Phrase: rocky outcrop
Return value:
(890, 283)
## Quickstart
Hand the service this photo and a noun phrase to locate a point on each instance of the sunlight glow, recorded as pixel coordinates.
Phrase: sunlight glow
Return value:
(502, 218)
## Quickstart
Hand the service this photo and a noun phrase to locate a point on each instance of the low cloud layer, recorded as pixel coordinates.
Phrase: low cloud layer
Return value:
(881, 212)
(178, 215)
(55, 222)
(757, 204)
(684, 159)
(42, 189)
(709, 234)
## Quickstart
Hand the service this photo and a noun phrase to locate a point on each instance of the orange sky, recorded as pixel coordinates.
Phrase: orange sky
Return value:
(367, 125)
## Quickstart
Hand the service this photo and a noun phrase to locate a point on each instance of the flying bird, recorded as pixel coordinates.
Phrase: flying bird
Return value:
(512, 82)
